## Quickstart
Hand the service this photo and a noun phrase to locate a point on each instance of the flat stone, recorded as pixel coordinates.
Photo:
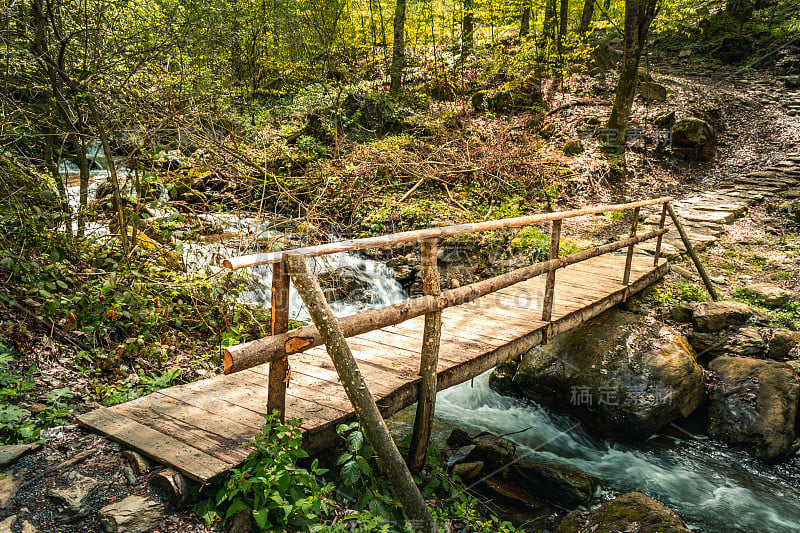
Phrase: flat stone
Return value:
(10, 453)
(712, 316)
(682, 272)
(769, 174)
(649, 248)
(768, 294)
(134, 514)
(718, 217)
(8, 488)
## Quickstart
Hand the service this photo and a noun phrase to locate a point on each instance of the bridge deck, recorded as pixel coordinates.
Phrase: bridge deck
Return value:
(201, 428)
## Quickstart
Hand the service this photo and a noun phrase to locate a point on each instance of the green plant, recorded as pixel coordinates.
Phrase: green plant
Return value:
(156, 382)
(280, 494)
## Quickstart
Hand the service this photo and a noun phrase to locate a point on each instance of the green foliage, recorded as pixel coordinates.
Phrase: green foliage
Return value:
(535, 243)
(681, 292)
(787, 316)
(270, 485)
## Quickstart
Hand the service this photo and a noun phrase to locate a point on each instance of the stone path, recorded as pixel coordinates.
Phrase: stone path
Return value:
(705, 215)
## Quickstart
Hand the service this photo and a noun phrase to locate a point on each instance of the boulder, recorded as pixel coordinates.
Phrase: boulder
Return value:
(768, 294)
(134, 514)
(621, 377)
(653, 91)
(604, 57)
(643, 75)
(573, 147)
(708, 317)
(496, 452)
(754, 404)
(783, 341)
(694, 138)
(458, 437)
(745, 341)
(630, 512)
(734, 48)
(563, 485)
(344, 283)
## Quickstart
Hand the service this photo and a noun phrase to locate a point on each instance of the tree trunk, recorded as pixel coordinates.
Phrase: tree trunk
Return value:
(398, 47)
(639, 14)
(550, 19)
(83, 196)
(366, 411)
(467, 28)
(586, 17)
(525, 23)
(562, 19)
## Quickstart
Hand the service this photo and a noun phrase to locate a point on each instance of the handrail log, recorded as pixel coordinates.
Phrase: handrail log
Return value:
(268, 349)
(242, 261)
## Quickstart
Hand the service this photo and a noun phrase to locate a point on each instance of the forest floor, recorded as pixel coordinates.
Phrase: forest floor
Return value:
(747, 108)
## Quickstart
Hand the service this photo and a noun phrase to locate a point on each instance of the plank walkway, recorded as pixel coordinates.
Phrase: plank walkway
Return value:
(201, 428)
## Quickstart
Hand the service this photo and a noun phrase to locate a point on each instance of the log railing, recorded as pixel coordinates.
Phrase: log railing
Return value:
(291, 264)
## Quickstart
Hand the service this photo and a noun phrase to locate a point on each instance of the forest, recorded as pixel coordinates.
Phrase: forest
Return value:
(145, 145)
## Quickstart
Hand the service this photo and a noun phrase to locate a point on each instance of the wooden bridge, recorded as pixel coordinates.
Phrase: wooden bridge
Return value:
(200, 429)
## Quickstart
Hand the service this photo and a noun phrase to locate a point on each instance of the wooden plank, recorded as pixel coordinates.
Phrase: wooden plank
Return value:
(165, 449)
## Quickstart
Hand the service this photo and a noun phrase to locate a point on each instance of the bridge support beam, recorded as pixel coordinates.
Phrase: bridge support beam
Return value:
(431, 338)
(366, 411)
(279, 321)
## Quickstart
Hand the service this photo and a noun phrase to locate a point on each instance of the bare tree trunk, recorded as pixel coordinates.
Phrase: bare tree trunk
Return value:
(562, 29)
(398, 47)
(586, 17)
(467, 28)
(525, 23)
(83, 196)
(369, 417)
(638, 16)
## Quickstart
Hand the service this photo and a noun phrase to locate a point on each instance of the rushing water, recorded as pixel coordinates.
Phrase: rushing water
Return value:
(714, 488)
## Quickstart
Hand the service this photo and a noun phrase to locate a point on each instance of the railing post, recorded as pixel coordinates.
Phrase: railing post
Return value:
(279, 370)
(626, 277)
(661, 223)
(431, 338)
(550, 286)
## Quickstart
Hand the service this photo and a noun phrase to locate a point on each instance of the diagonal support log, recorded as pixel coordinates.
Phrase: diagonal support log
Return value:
(359, 395)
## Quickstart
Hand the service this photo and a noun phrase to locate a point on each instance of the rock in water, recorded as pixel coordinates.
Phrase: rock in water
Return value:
(630, 512)
(694, 138)
(494, 451)
(754, 404)
(708, 317)
(561, 484)
(768, 294)
(134, 514)
(620, 377)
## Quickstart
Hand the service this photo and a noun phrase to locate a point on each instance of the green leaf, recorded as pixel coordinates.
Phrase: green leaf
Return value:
(350, 472)
(237, 506)
(363, 465)
(355, 440)
(261, 517)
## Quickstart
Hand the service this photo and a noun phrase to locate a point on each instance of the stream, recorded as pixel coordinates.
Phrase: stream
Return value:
(713, 487)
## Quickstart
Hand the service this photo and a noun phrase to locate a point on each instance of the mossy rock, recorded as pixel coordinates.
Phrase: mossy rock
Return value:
(442, 89)
(630, 512)
(548, 130)
(573, 147)
(694, 138)
(514, 95)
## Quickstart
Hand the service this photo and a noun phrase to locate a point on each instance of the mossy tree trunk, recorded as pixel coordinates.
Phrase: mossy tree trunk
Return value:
(467, 27)
(525, 23)
(639, 14)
